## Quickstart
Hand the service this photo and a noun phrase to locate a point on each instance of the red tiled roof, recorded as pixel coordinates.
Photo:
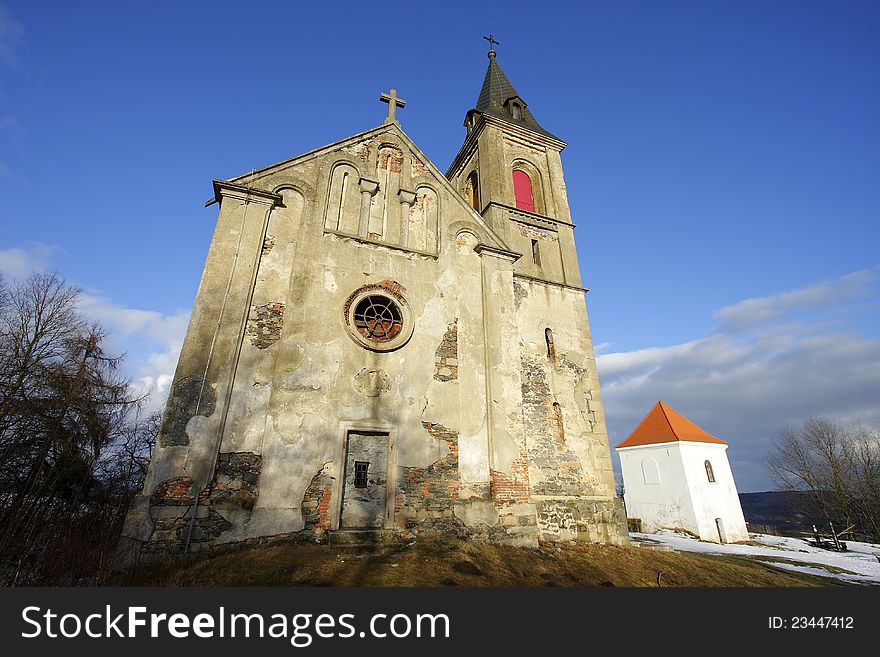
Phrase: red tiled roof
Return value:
(665, 425)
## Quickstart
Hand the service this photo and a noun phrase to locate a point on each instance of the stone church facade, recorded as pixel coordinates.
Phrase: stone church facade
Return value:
(381, 351)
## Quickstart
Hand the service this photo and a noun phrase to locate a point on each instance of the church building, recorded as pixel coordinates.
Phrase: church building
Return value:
(676, 476)
(379, 351)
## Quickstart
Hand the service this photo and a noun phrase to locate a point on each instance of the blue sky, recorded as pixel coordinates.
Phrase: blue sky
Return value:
(723, 169)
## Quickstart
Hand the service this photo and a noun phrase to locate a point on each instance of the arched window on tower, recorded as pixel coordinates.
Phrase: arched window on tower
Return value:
(522, 190)
(472, 190)
(516, 111)
(710, 474)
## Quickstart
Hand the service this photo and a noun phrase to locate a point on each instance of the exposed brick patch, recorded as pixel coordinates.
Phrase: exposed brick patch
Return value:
(478, 489)
(235, 484)
(171, 507)
(189, 396)
(561, 470)
(176, 492)
(429, 493)
(446, 356)
(418, 167)
(423, 202)
(264, 324)
(268, 244)
(393, 288)
(392, 157)
(512, 486)
(236, 480)
(316, 501)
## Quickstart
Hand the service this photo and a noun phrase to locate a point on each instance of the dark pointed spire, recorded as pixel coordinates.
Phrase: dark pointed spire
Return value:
(498, 98)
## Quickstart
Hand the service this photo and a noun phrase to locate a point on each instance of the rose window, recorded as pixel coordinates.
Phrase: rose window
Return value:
(378, 318)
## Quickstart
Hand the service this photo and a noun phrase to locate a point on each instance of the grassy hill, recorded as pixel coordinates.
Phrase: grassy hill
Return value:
(450, 562)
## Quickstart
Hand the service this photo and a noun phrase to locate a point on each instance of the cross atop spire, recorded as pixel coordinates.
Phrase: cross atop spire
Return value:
(492, 42)
(393, 103)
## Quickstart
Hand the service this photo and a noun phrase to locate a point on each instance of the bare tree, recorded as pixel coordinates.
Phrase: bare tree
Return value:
(839, 467)
(71, 437)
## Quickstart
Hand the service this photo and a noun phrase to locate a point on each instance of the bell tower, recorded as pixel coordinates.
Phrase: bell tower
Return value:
(510, 170)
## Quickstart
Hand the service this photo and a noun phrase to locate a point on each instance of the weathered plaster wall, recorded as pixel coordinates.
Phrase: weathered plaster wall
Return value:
(569, 464)
(713, 499)
(662, 500)
(667, 487)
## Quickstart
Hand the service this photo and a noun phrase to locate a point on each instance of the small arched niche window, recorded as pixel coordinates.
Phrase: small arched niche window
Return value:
(516, 110)
(710, 474)
(557, 421)
(472, 188)
(551, 347)
(522, 190)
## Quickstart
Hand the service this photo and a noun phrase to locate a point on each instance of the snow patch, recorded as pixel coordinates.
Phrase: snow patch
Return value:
(863, 559)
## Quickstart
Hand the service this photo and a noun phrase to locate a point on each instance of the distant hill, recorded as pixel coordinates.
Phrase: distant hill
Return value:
(787, 512)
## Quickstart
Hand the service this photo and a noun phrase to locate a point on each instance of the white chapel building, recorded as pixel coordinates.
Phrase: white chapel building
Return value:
(676, 476)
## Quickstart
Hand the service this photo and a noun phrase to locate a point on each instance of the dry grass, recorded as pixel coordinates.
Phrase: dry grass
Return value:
(450, 562)
(821, 566)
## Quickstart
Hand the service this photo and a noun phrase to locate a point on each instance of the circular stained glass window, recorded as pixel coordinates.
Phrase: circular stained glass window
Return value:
(378, 318)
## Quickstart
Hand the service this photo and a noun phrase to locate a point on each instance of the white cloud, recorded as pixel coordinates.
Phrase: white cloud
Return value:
(760, 372)
(149, 339)
(763, 310)
(17, 262)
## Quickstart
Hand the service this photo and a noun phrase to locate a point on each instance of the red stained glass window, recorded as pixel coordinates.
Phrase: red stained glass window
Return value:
(522, 189)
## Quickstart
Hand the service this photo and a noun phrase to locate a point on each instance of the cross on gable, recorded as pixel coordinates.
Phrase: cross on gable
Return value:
(393, 103)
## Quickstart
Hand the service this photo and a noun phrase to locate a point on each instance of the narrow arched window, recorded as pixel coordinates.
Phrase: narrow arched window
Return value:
(522, 190)
(473, 191)
(557, 420)
(710, 474)
(516, 111)
(551, 347)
